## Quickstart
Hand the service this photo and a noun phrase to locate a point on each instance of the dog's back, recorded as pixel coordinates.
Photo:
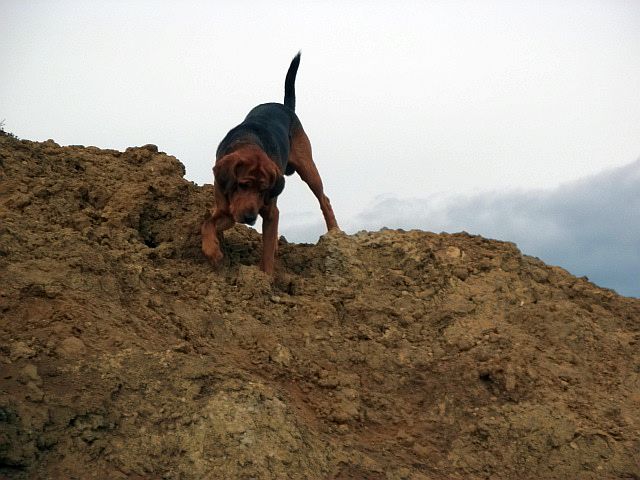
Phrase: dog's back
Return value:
(268, 126)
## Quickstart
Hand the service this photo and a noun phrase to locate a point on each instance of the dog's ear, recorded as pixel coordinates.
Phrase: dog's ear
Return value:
(277, 188)
(224, 173)
(272, 173)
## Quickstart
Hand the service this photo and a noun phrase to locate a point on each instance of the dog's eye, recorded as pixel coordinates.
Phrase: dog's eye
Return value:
(244, 186)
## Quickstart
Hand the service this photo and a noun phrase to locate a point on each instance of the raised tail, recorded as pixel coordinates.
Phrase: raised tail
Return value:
(289, 83)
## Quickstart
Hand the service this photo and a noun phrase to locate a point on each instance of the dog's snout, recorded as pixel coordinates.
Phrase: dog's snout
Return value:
(249, 218)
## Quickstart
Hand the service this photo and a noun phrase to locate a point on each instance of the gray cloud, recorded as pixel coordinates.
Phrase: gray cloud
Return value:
(590, 227)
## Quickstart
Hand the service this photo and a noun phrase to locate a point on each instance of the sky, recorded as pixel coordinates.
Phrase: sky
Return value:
(517, 120)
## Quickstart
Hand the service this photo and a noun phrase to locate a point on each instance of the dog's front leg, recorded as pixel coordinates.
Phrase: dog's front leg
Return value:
(270, 215)
(213, 227)
(211, 231)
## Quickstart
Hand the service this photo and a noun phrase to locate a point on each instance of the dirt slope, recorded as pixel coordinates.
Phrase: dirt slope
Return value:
(385, 355)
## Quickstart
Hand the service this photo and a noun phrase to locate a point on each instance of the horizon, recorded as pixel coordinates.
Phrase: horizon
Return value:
(512, 119)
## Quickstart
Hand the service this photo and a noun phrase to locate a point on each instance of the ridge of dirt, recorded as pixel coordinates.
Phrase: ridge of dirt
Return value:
(380, 355)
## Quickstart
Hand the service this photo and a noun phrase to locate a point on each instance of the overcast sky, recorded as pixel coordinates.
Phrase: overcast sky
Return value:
(518, 120)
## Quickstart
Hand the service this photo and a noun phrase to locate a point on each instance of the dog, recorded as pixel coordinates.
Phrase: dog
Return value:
(251, 162)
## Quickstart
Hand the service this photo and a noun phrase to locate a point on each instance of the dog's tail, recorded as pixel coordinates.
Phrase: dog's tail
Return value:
(289, 83)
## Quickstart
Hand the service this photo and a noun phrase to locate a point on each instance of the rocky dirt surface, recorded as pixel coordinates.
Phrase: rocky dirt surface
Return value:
(385, 355)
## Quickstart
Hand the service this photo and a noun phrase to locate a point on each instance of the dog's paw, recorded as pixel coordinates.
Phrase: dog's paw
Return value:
(213, 253)
(335, 232)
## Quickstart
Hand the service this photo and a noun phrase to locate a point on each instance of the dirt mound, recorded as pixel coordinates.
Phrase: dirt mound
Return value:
(390, 355)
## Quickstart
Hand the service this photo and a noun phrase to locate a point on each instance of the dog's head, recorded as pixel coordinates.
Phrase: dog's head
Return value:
(250, 180)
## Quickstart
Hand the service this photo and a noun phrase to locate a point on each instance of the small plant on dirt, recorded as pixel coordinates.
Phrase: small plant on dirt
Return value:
(5, 134)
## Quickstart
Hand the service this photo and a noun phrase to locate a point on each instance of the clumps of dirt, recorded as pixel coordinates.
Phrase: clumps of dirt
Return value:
(390, 354)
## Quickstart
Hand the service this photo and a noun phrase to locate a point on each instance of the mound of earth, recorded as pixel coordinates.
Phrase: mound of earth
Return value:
(380, 355)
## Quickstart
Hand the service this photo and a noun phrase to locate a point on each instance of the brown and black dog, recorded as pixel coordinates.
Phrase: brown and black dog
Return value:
(251, 162)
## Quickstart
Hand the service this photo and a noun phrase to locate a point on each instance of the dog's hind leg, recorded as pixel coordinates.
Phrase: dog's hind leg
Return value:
(301, 160)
